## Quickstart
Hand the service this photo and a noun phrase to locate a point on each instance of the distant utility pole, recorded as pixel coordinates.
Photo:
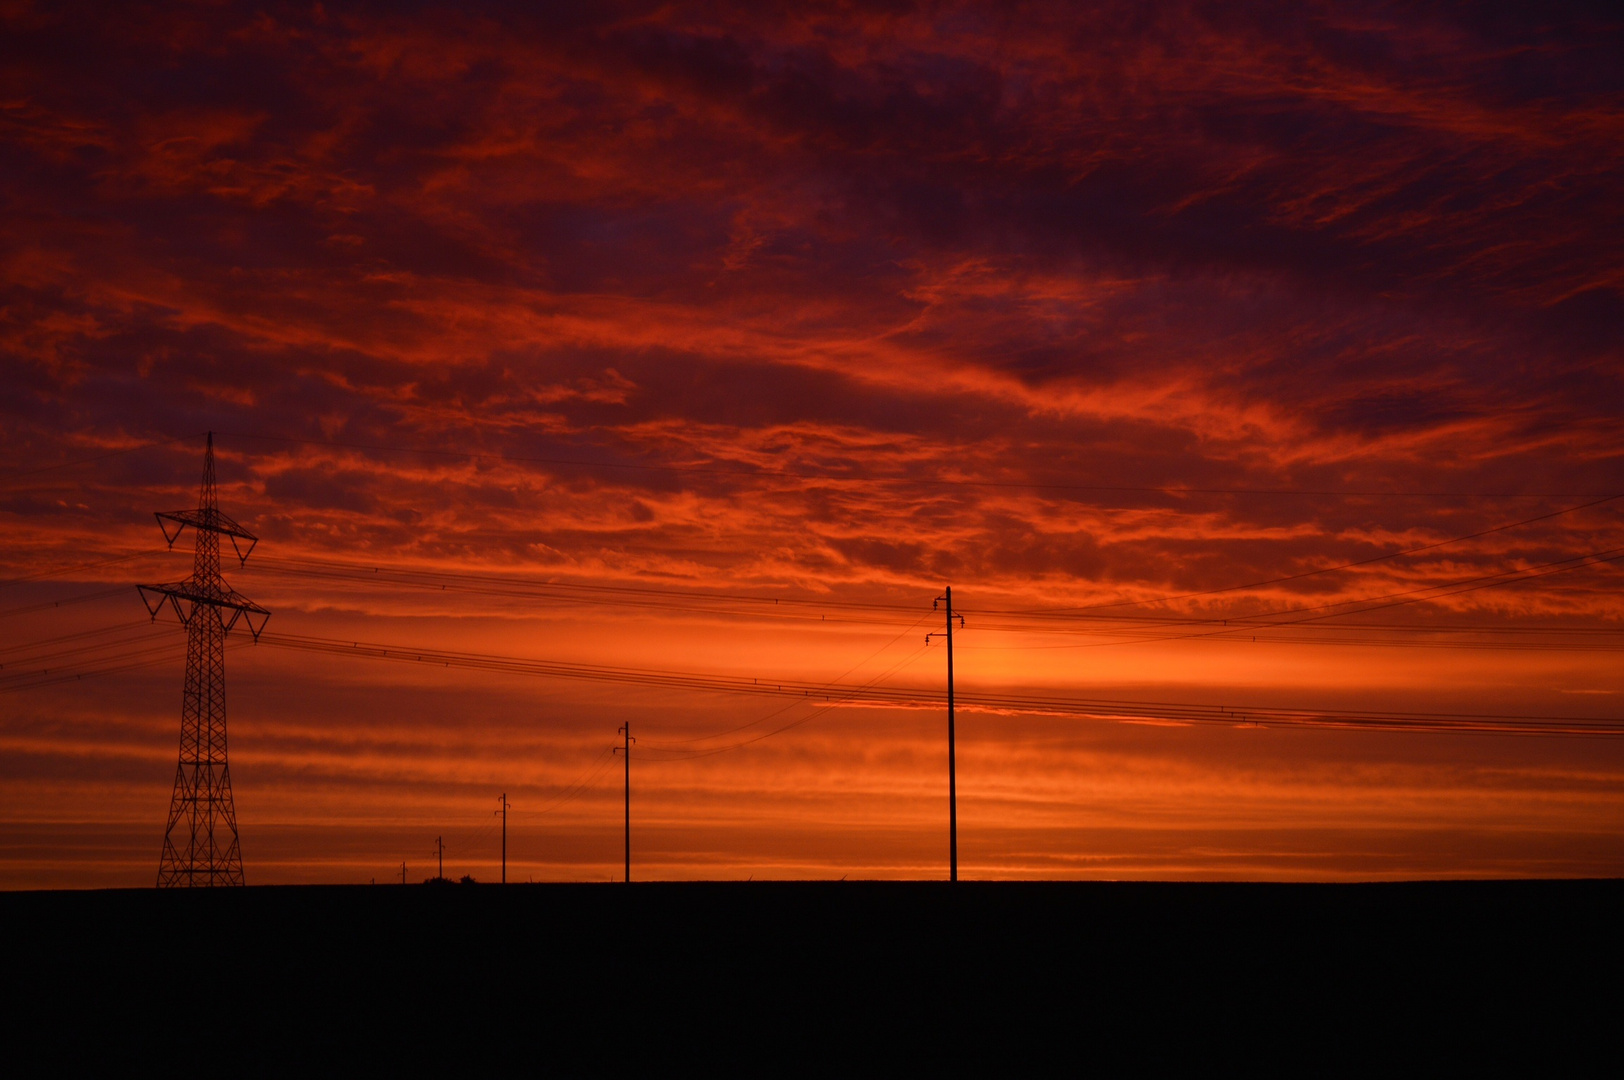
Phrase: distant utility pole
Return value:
(952, 763)
(626, 748)
(505, 804)
(439, 853)
(403, 873)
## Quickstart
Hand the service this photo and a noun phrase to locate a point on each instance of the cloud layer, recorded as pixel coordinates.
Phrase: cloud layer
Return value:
(1064, 308)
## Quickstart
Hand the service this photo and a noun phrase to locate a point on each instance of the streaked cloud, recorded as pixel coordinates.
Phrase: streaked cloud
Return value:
(836, 303)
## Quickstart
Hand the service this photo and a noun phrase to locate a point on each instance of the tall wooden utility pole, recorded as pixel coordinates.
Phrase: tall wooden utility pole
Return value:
(952, 762)
(626, 748)
(505, 804)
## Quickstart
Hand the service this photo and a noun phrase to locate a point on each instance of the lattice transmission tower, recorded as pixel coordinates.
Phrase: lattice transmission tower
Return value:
(200, 842)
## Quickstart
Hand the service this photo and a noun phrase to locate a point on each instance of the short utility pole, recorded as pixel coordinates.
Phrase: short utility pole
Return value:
(502, 798)
(626, 748)
(439, 853)
(952, 762)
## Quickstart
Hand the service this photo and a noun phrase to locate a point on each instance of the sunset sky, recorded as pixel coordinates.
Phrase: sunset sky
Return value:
(653, 337)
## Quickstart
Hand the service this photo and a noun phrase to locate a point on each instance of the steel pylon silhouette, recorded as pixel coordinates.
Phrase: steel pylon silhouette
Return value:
(200, 841)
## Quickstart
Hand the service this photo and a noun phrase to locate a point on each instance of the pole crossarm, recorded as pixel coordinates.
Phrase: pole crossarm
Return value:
(206, 519)
(196, 594)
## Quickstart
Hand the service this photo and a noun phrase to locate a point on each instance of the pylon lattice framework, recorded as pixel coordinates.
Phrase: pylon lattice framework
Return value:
(200, 841)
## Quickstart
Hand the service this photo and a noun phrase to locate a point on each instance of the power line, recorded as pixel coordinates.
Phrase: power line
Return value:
(145, 658)
(100, 594)
(915, 698)
(61, 570)
(1343, 640)
(1142, 629)
(986, 701)
(593, 770)
(80, 645)
(1228, 629)
(690, 754)
(102, 631)
(837, 680)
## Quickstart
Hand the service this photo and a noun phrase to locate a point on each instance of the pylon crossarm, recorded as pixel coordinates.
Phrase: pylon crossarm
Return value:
(237, 600)
(247, 615)
(153, 596)
(205, 520)
(242, 552)
(155, 601)
(170, 534)
(156, 596)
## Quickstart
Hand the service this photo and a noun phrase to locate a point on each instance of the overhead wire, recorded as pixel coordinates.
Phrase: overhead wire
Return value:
(163, 653)
(1231, 629)
(59, 571)
(596, 768)
(913, 697)
(31, 655)
(884, 696)
(712, 751)
(30, 609)
(1269, 621)
(836, 681)
(76, 636)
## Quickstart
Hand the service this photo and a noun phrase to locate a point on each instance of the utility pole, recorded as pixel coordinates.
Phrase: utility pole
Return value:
(626, 748)
(200, 840)
(403, 873)
(439, 853)
(952, 763)
(505, 804)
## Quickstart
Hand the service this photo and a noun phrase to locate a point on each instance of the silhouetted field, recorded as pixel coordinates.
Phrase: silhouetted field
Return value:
(821, 976)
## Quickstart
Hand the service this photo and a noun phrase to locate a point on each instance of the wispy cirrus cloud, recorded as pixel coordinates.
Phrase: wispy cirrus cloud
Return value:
(843, 302)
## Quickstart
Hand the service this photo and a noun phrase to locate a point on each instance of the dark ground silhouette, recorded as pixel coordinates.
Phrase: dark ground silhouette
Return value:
(820, 977)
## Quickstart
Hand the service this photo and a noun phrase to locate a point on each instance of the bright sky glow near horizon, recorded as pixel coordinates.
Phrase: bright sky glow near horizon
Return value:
(1160, 333)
